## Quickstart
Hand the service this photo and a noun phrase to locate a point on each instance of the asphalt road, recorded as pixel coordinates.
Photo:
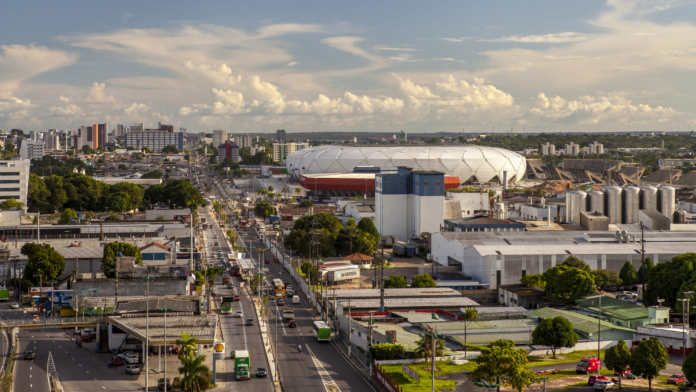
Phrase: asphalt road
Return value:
(237, 335)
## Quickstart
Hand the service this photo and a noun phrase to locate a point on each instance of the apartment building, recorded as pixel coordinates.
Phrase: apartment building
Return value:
(282, 150)
(153, 139)
(14, 179)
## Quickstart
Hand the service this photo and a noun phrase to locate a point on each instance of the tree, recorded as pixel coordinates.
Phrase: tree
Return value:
(606, 278)
(666, 280)
(689, 366)
(10, 204)
(66, 215)
(424, 280)
(264, 209)
(648, 359)
(110, 252)
(147, 150)
(628, 273)
(555, 332)
(535, 281)
(395, 282)
(153, 174)
(568, 282)
(195, 376)
(88, 216)
(133, 194)
(187, 345)
(424, 347)
(368, 226)
(211, 273)
(572, 261)
(500, 361)
(387, 351)
(122, 167)
(470, 314)
(306, 203)
(42, 260)
(298, 190)
(617, 358)
(170, 148)
(649, 265)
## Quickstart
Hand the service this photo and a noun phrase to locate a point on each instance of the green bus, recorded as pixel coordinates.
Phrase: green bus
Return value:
(322, 332)
(226, 304)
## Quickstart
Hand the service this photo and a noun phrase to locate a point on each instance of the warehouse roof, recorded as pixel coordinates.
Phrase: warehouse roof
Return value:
(581, 322)
(413, 303)
(485, 326)
(485, 338)
(202, 327)
(393, 293)
(614, 307)
(499, 311)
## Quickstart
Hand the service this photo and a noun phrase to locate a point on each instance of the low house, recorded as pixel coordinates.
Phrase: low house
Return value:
(155, 251)
(522, 295)
(671, 336)
(623, 313)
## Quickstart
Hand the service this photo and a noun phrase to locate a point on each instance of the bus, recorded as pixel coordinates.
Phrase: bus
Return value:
(226, 304)
(235, 270)
(226, 279)
(279, 286)
(322, 332)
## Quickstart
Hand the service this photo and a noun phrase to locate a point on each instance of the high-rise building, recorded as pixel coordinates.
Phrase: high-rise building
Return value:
(102, 131)
(572, 149)
(165, 127)
(120, 130)
(31, 149)
(255, 149)
(219, 137)
(14, 183)
(228, 150)
(244, 141)
(282, 150)
(52, 140)
(596, 148)
(153, 139)
(401, 136)
(136, 128)
(280, 135)
(548, 149)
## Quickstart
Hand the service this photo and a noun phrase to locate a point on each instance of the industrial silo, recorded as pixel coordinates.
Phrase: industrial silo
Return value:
(576, 202)
(665, 201)
(595, 202)
(680, 216)
(631, 202)
(612, 203)
(648, 198)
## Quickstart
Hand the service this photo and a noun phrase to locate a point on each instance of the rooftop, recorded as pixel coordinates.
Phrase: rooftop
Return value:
(614, 307)
(201, 327)
(581, 322)
(394, 293)
(413, 303)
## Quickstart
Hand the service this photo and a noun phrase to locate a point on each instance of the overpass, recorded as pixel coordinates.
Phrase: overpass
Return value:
(64, 322)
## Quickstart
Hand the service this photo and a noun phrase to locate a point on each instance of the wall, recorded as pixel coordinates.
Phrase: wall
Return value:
(470, 202)
(107, 287)
(167, 214)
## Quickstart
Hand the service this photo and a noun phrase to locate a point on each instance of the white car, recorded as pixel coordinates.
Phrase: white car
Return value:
(296, 299)
(78, 331)
(603, 384)
(14, 305)
(239, 314)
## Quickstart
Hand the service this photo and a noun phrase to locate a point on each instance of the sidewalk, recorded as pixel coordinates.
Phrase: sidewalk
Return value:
(173, 364)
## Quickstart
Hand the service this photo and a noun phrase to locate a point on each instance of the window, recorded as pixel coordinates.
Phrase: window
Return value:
(9, 181)
(401, 183)
(437, 183)
(425, 183)
(524, 273)
(498, 278)
(9, 173)
(9, 189)
(388, 183)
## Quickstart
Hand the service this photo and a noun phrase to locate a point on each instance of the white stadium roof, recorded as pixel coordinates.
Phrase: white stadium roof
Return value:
(484, 163)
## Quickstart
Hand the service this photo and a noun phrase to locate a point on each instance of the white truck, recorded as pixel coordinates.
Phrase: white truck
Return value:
(288, 314)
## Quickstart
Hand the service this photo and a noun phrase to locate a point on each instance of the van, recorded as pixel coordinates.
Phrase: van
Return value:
(588, 365)
(296, 299)
(131, 357)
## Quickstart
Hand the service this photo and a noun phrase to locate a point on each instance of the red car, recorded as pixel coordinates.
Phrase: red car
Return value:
(276, 260)
(292, 324)
(676, 379)
(268, 261)
(594, 378)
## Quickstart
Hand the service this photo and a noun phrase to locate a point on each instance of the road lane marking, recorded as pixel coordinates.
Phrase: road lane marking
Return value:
(326, 379)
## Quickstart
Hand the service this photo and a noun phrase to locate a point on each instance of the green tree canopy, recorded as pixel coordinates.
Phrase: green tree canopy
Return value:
(153, 174)
(11, 204)
(170, 148)
(387, 351)
(368, 226)
(554, 332)
(502, 362)
(618, 358)
(306, 203)
(175, 192)
(668, 278)
(568, 282)
(110, 252)
(689, 366)
(395, 282)
(606, 278)
(43, 262)
(66, 215)
(573, 261)
(424, 280)
(628, 273)
(535, 281)
(264, 209)
(648, 359)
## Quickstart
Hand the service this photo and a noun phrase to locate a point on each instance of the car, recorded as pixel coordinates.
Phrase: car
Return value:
(268, 261)
(86, 337)
(626, 374)
(116, 361)
(14, 305)
(261, 372)
(230, 286)
(133, 369)
(239, 314)
(280, 301)
(594, 378)
(676, 379)
(296, 299)
(28, 355)
(78, 331)
(160, 384)
(292, 324)
(602, 385)
(250, 322)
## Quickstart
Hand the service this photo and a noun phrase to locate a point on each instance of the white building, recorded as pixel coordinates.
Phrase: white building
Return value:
(253, 150)
(136, 128)
(14, 179)
(548, 149)
(360, 209)
(154, 139)
(244, 141)
(469, 203)
(52, 140)
(596, 148)
(282, 150)
(31, 149)
(219, 137)
(572, 149)
(409, 203)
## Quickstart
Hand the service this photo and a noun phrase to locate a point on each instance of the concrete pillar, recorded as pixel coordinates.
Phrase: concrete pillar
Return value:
(159, 360)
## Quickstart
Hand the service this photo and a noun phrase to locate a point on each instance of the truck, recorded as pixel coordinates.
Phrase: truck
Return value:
(338, 275)
(241, 364)
(588, 365)
(288, 314)
(4, 295)
(203, 220)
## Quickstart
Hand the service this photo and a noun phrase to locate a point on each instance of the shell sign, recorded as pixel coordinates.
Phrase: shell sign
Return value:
(219, 347)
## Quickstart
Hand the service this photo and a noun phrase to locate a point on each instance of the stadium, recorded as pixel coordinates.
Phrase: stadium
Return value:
(471, 164)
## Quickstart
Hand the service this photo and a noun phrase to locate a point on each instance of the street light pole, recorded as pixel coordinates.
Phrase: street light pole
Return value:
(685, 324)
(147, 332)
(165, 310)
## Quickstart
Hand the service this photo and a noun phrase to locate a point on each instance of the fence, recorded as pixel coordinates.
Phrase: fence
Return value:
(386, 381)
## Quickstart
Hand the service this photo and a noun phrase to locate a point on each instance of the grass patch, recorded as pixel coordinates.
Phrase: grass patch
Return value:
(408, 384)
(575, 356)
(573, 373)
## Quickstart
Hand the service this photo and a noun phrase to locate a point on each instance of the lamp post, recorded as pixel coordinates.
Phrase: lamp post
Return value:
(599, 325)
(165, 311)
(685, 324)
(147, 331)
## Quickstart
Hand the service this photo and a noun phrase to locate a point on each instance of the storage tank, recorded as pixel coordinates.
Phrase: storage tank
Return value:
(595, 202)
(612, 203)
(576, 202)
(631, 202)
(648, 198)
(665, 201)
(499, 210)
(680, 216)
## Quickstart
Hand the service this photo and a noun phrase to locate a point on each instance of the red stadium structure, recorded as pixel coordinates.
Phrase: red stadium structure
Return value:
(351, 184)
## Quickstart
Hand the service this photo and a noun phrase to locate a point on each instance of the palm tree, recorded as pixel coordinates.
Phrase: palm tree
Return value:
(298, 190)
(195, 377)
(270, 189)
(285, 191)
(188, 346)
(425, 347)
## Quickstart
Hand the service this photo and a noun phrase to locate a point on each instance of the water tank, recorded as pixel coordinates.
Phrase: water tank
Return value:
(612, 203)
(665, 201)
(499, 210)
(595, 202)
(576, 202)
(680, 216)
(648, 198)
(631, 202)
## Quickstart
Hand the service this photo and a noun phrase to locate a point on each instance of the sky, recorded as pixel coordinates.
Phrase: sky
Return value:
(351, 66)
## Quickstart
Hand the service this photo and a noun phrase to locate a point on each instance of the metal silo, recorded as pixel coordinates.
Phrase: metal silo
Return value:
(612, 203)
(631, 202)
(575, 203)
(595, 202)
(680, 216)
(665, 201)
(648, 198)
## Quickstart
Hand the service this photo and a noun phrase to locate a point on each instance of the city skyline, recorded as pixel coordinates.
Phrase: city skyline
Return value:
(596, 66)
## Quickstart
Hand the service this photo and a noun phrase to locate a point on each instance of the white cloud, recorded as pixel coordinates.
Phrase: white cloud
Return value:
(546, 38)
(453, 39)
(406, 57)
(15, 108)
(20, 62)
(448, 59)
(66, 111)
(397, 49)
(96, 93)
(136, 109)
(292, 64)
(63, 99)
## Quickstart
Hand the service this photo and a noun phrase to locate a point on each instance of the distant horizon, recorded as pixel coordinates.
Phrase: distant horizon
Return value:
(561, 67)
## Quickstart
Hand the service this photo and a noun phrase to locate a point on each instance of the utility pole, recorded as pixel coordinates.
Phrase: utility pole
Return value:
(350, 330)
(381, 282)
(642, 255)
